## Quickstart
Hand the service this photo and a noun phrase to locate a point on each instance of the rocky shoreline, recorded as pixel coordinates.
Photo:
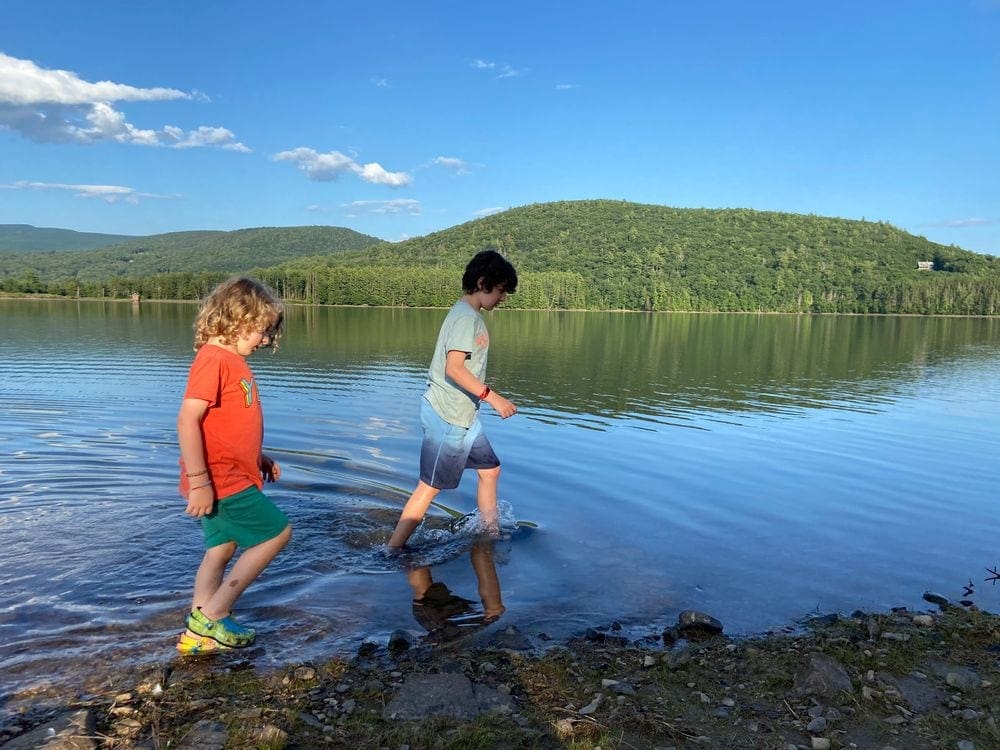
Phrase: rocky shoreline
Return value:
(887, 681)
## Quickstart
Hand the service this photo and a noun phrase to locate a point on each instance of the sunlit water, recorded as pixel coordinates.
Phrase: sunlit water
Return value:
(758, 468)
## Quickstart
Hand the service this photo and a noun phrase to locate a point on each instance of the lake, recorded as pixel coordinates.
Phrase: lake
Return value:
(760, 468)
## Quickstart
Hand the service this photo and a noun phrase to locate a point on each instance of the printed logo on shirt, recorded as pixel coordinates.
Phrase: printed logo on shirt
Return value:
(483, 340)
(249, 391)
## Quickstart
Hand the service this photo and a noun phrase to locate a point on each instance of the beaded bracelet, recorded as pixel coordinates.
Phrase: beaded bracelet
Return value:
(485, 393)
(190, 474)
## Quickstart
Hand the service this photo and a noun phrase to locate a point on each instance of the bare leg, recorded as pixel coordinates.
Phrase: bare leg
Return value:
(489, 583)
(420, 580)
(486, 499)
(209, 576)
(249, 565)
(413, 513)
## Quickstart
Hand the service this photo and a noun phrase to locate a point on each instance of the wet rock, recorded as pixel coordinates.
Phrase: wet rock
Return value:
(963, 678)
(826, 620)
(693, 624)
(510, 638)
(205, 735)
(272, 737)
(449, 695)
(822, 677)
(71, 731)
(920, 695)
(367, 649)
(594, 635)
(592, 706)
(399, 641)
(941, 601)
(670, 636)
(817, 725)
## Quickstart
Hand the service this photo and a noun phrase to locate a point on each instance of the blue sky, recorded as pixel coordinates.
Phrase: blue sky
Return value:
(399, 119)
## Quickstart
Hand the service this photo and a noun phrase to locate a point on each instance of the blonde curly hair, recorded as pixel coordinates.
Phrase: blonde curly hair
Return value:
(238, 306)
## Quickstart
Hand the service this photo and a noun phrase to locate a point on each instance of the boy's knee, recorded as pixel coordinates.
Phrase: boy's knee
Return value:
(490, 475)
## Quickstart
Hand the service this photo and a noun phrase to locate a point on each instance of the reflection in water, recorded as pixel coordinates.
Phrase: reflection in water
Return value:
(444, 614)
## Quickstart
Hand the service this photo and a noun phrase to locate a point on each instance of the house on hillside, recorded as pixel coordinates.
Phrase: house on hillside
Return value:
(925, 265)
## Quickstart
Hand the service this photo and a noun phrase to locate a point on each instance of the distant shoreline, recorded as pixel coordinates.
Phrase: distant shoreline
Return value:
(122, 300)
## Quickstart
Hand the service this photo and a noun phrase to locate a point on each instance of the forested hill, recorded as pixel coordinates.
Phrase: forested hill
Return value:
(617, 255)
(192, 252)
(596, 254)
(24, 238)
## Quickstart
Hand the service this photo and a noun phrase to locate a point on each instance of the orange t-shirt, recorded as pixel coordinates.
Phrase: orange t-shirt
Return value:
(233, 426)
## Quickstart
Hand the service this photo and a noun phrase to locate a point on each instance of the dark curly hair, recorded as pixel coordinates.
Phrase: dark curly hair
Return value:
(492, 269)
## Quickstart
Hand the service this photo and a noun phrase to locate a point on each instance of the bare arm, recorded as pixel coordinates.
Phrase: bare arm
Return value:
(459, 374)
(201, 498)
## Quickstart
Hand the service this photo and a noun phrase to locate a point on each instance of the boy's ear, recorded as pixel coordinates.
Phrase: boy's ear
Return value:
(481, 284)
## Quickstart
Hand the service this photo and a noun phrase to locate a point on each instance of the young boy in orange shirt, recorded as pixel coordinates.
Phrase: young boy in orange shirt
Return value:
(220, 428)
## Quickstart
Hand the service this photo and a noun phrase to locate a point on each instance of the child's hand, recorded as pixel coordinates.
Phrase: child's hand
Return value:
(502, 406)
(269, 469)
(200, 501)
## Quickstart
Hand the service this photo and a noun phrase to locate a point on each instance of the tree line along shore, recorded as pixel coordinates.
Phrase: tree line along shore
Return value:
(598, 255)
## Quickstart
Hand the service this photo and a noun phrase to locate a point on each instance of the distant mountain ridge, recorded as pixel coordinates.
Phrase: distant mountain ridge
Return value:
(193, 252)
(25, 238)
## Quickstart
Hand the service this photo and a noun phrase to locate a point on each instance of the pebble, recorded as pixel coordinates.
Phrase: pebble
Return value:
(817, 725)
(592, 706)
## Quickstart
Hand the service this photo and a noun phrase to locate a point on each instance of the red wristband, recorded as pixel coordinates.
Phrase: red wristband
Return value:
(485, 393)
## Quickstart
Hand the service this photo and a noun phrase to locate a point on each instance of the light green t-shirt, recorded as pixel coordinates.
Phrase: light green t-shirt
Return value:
(463, 330)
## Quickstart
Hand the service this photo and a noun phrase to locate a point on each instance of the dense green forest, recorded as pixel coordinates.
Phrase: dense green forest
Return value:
(619, 255)
(192, 252)
(24, 238)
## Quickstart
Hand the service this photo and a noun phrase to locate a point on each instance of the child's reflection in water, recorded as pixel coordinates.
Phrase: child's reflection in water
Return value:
(445, 614)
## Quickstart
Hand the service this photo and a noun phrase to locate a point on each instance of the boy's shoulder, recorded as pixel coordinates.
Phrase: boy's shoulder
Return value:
(210, 355)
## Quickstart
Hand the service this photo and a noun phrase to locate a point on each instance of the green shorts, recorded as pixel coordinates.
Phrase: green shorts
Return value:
(247, 518)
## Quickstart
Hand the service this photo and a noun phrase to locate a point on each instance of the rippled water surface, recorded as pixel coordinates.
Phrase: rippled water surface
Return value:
(758, 468)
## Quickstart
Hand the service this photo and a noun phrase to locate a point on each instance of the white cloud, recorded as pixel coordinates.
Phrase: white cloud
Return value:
(107, 193)
(506, 71)
(459, 166)
(331, 165)
(57, 106)
(960, 223)
(509, 72)
(398, 206)
(566, 86)
(971, 222)
(382, 83)
(375, 173)
(488, 211)
(24, 83)
(205, 136)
